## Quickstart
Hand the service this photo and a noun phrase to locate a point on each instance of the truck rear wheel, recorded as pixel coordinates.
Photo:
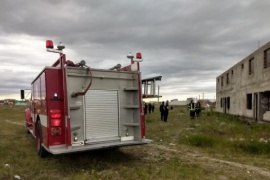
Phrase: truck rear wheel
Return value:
(40, 149)
(26, 129)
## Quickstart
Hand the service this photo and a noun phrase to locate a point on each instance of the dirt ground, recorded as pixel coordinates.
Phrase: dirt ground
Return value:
(227, 169)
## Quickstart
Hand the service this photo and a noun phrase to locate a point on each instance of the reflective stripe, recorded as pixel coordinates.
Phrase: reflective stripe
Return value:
(192, 106)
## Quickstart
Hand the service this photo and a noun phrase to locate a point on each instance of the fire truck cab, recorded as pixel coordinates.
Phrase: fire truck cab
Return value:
(76, 108)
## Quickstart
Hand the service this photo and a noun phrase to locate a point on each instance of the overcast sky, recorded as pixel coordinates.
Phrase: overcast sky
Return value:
(188, 42)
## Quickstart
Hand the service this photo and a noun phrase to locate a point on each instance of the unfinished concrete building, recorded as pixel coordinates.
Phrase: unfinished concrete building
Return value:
(244, 89)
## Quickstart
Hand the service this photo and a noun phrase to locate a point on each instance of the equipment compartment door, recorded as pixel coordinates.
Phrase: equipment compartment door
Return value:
(101, 116)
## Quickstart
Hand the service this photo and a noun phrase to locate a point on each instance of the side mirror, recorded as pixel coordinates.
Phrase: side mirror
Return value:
(22, 94)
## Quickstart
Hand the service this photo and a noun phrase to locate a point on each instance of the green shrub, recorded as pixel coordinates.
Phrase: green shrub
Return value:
(201, 141)
(254, 147)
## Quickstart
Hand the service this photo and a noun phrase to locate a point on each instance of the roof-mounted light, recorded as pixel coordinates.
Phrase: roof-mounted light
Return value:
(60, 46)
(138, 57)
(130, 56)
(49, 46)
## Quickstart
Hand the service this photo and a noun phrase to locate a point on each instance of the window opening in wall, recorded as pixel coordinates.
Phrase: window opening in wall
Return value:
(249, 101)
(227, 79)
(266, 58)
(221, 102)
(232, 72)
(222, 81)
(242, 66)
(266, 100)
(228, 102)
(268, 103)
(251, 66)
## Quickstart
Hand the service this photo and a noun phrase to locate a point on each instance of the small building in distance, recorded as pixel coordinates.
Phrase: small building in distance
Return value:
(21, 103)
(14, 102)
(244, 89)
(175, 102)
(204, 102)
(9, 102)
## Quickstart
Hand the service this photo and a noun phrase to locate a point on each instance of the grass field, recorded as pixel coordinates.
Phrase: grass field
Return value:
(212, 146)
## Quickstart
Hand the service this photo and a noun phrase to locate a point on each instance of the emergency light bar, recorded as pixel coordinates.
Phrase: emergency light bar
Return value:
(138, 57)
(49, 46)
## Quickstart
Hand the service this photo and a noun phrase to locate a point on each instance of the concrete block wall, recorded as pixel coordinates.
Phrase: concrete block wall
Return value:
(238, 82)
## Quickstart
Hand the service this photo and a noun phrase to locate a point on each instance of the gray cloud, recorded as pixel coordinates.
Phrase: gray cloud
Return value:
(189, 43)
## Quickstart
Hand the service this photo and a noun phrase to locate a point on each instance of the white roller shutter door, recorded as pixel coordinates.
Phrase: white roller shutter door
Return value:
(102, 116)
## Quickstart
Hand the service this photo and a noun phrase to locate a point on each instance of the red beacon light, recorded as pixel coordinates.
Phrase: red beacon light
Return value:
(49, 44)
(138, 57)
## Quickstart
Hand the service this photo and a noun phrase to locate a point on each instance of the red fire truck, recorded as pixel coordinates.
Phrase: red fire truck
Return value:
(76, 108)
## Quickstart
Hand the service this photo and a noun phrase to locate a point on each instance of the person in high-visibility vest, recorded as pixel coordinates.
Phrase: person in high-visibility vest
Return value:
(191, 107)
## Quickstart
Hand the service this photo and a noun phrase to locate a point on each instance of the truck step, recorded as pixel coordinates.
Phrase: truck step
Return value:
(75, 127)
(74, 107)
(131, 89)
(131, 124)
(131, 106)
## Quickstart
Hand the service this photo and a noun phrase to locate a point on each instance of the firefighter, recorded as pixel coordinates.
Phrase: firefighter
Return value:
(153, 108)
(191, 107)
(149, 108)
(198, 108)
(145, 108)
(161, 109)
(166, 111)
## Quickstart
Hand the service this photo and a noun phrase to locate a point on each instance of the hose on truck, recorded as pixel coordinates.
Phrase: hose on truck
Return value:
(81, 64)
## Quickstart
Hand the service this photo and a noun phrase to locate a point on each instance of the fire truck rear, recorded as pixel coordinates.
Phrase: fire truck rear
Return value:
(77, 108)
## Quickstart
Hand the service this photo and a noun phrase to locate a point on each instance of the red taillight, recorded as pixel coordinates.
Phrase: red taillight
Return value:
(55, 114)
(49, 44)
(55, 118)
(56, 122)
(139, 55)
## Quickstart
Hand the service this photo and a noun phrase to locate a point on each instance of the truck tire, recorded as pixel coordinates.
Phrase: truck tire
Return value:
(40, 149)
(26, 129)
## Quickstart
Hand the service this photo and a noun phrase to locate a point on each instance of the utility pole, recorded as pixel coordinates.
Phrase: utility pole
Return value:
(158, 94)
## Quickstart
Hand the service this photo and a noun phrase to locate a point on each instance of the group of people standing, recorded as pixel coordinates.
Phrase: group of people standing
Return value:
(194, 109)
(149, 108)
(164, 111)
(163, 108)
